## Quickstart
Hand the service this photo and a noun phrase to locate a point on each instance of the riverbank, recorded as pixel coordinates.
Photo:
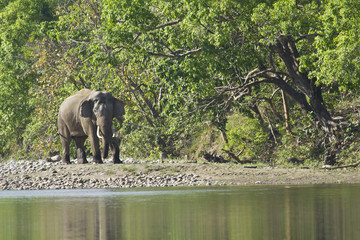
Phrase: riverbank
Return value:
(31, 175)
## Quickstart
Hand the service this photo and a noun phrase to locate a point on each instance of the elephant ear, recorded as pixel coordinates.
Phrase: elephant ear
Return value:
(119, 108)
(85, 109)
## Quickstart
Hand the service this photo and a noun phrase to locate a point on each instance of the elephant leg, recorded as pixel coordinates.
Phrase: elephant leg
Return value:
(81, 155)
(66, 150)
(95, 147)
(115, 150)
(105, 148)
(65, 142)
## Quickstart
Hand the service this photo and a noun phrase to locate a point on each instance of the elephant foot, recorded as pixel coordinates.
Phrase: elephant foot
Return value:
(117, 161)
(82, 161)
(66, 159)
(97, 159)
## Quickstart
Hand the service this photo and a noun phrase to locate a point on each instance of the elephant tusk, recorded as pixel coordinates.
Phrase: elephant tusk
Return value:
(114, 132)
(98, 133)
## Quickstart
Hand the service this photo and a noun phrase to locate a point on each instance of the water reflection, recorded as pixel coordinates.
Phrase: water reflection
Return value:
(265, 212)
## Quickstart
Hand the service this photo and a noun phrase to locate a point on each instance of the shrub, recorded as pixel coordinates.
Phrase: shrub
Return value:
(247, 135)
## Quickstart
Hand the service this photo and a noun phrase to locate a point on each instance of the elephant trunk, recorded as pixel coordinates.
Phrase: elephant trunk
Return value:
(105, 148)
(106, 134)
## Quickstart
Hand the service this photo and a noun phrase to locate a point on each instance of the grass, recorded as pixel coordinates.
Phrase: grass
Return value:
(129, 169)
(110, 172)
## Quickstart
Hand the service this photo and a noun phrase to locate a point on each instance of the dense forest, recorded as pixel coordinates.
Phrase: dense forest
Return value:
(224, 80)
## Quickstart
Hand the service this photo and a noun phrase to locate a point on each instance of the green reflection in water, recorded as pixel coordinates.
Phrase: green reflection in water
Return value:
(257, 212)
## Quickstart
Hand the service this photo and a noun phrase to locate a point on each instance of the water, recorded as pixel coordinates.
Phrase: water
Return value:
(256, 212)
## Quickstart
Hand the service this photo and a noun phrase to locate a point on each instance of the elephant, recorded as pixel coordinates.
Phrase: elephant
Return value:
(90, 113)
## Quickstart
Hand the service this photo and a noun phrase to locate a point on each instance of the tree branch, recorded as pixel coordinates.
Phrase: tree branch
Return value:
(242, 87)
(302, 36)
(206, 28)
(162, 44)
(160, 26)
(168, 24)
(175, 55)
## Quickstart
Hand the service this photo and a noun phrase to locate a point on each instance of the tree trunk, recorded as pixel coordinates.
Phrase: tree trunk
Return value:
(286, 113)
(286, 49)
(298, 97)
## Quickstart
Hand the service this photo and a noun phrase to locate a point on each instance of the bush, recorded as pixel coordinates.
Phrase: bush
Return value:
(204, 139)
(139, 142)
(306, 143)
(246, 135)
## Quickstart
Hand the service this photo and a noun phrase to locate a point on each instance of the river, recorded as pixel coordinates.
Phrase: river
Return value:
(246, 212)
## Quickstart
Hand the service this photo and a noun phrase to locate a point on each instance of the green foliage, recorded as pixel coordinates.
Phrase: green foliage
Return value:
(295, 18)
(350, 154)
(139, 143)
(18, 21)
(204, 138)
(306, 143)
(182, 67)
(246, 135)
(307, 150)
(339, 45)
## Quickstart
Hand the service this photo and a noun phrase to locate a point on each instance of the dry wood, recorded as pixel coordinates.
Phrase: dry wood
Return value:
(344, 166)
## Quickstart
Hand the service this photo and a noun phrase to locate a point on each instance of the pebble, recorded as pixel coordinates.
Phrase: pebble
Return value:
(19, 175)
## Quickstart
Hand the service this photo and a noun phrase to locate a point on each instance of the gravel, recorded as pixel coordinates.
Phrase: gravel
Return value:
(41, 174)
(36, 175)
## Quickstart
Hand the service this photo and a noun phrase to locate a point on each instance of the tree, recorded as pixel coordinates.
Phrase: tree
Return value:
(179, 63)
(338, 46)
(82, 50)
(18, 21)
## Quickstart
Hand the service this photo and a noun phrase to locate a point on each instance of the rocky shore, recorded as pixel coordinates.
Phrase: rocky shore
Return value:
(41, 174)
(37, 175)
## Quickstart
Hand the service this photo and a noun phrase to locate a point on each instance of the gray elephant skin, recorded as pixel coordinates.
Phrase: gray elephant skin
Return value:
(86, 114)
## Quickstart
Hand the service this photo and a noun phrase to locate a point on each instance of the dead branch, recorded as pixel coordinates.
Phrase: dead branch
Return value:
(271, 129)
(286, 113)
(212, 157)
(241, 95)
(273, 94)
(233, 155)
(344, 166)
(252, 73)
(159, 99)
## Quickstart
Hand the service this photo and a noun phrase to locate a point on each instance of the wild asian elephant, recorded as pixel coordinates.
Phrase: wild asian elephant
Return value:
(89, 114)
